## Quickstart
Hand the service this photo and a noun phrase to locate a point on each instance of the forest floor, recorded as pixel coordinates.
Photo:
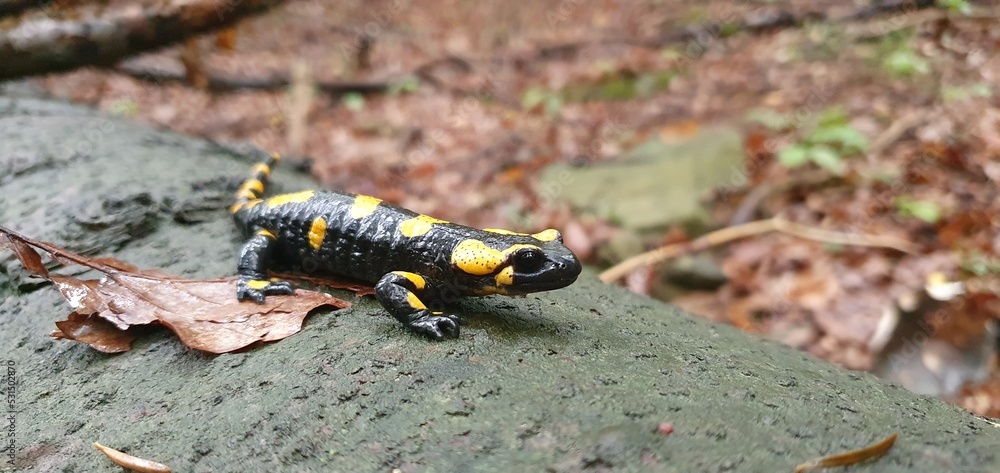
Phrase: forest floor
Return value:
(884, 124)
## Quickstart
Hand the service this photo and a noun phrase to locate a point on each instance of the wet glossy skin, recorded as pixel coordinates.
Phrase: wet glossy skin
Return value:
(418, 263)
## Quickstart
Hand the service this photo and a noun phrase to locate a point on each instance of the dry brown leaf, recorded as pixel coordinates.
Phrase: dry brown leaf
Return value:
(577, 238)
(962, 322)
(203, 313)
(130, 462)
(29, 258)
(640, 280)
(850, 458)
(225, 39)
(100, 334)
(678, 131)
(359, 288)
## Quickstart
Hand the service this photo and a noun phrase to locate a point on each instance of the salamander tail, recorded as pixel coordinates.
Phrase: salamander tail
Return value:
(252, 189)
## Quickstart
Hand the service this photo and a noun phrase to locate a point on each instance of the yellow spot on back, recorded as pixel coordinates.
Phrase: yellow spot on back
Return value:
(506, 276)
(476, 258)
(289, 198)
(503, 232)
(266, 233)
(364, 206)
(418, 225)
(414, 301)
(276, 157)
(258, 284)
(417, 280)
(317, 233)
(241, 205)
(550, 234)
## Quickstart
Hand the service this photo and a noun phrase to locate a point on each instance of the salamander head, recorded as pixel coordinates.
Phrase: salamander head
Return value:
(533, 269)
(516, 264)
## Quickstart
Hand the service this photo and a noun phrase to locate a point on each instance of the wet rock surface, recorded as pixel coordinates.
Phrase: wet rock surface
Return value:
(574, 380)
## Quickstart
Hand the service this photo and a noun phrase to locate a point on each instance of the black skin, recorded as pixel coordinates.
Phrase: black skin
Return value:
(414, 272)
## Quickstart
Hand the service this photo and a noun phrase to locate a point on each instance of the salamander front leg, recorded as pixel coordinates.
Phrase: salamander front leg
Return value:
(398, 293)
(254, 260)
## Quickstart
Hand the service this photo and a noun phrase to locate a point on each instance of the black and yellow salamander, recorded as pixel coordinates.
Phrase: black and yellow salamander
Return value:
(418, 263)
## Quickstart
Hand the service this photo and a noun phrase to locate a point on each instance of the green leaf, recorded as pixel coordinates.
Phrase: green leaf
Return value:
(404, 85)
(847, 137)
(794, 155)
(124, 107)
(981, 90)
(952, 93)
(827, 158)
(835, 115)
(649, 83)
(619, 88)
(353, 101)
(904, 62)
(925, 210)
(958, 6)
(771, 119)
(729, 29)
(553, 104)
(533, 97)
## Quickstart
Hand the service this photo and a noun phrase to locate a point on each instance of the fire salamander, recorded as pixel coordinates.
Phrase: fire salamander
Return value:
(418, 263)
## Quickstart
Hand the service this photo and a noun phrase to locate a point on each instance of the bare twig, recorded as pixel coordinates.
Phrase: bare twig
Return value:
(875, 30)
(748, 206)
(222, 84)
(217, 83)
(704, 242)
(10, 7)
(811, 179)
(757, 24)
(897, 129)
(844, 238)
(42, 46)
(297, 107)
(758, 227)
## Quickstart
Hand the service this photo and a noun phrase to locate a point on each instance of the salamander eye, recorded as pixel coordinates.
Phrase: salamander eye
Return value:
(529, 259)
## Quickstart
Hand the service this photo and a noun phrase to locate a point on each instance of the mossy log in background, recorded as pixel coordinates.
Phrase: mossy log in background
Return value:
(577, 379)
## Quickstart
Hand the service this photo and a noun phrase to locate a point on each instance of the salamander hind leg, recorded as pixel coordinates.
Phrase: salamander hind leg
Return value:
(254, 261)
(399, 292)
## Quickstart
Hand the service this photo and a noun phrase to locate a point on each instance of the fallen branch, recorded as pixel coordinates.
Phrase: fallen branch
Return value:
(758, 227)
(11, 7)
(876, 30)
(810, 180)
(218, 83)
(704, 242)
(896, 130)
(756, 23)
(843, 238)
(43, 45)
